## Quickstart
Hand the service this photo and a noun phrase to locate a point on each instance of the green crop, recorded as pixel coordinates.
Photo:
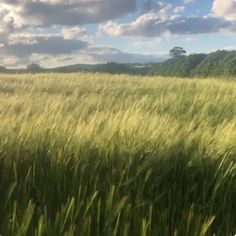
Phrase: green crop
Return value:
(106, 155)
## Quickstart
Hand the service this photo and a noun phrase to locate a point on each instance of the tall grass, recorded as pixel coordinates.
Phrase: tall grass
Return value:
(95, 154)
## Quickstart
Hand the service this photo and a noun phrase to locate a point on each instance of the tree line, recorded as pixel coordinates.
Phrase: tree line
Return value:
(221, 63)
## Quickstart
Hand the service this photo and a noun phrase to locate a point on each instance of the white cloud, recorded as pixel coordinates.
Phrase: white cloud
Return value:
(166, 19)
(22, 38)
(26, 45)
(10, 61)
(92, 54)
(73, 33)
(112, 29)
(225, 9)
(70, 43)
(24, 13)
(188, 1)
(152, 25)
(52, 50)
(179, 9)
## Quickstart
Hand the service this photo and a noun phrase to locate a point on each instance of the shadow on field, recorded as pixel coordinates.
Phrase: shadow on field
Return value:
(48, 193)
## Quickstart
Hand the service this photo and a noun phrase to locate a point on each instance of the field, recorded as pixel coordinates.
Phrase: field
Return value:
(95, 154)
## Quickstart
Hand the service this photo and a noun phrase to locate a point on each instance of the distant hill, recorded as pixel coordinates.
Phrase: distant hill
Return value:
(110, 67)
(115, 68)
(72, 68)
(219, 63)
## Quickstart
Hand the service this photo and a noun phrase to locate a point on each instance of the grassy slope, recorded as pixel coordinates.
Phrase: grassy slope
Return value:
(90, 154)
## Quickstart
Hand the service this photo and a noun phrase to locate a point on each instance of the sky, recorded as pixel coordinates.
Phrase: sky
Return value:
(63, 32)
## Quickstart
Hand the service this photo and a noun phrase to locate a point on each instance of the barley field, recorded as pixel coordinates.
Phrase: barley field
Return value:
(106, 155)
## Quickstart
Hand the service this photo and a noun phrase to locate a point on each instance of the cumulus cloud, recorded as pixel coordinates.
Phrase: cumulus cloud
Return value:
(25, 45)
(90, 55)
(73, 33)
(179, 9)
(70, 42)
(166, 19)
(24, 13)
(55, 50)
(151, 25)
(10, 61)
(225, 9)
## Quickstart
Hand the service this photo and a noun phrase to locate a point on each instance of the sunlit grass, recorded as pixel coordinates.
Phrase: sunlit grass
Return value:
(95, 154)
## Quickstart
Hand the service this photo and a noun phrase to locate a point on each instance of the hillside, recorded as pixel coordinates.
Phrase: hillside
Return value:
(219, 63)
(216, 64)
(110, 67)
(180, 67)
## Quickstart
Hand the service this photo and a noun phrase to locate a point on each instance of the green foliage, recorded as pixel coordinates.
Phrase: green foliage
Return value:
(216, 64)
(180, 67)
(95, 154)
(219, 63)
(34, 68)
(2, 69)
(177, 52)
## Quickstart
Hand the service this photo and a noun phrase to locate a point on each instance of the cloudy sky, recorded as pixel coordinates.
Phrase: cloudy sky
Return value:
(62, 32)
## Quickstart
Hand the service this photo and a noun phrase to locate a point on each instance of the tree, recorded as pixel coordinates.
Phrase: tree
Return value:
(2, 69)
(177, 52)
(34, 68)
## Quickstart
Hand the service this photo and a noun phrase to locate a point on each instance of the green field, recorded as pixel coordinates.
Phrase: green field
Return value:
(103, 155)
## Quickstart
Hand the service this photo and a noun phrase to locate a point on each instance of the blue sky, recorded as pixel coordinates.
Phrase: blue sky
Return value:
(61, 32)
